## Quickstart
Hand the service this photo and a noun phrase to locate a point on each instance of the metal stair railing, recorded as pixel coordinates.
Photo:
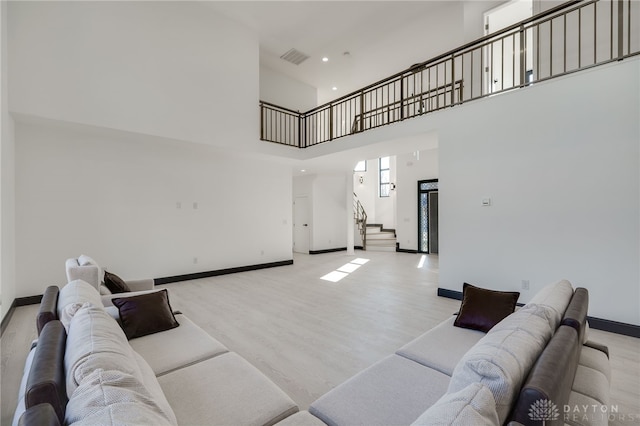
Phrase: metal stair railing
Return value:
(360, 217)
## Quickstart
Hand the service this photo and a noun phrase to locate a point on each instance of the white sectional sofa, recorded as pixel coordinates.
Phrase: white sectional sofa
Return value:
(459, 376)
(177, 376)
(539, 354)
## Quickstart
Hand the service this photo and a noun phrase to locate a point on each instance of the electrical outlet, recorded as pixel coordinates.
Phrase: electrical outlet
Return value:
(195, 260)
(525, 284)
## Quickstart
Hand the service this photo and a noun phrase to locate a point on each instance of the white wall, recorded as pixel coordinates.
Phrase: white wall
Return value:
(114, 196)
(561, 167)
(285, 91)
(328, 210)
(171, 69)
(410, 170)
(7, 185)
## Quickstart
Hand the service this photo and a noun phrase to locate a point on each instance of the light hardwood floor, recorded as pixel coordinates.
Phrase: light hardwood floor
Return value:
(309, 335)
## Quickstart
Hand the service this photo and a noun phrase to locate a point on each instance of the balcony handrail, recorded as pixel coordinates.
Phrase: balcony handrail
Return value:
(418, 66)
(280, 107)
(589, 33)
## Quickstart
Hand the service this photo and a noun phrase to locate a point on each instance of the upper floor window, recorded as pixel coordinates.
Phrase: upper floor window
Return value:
(361, 166)
(385, 183)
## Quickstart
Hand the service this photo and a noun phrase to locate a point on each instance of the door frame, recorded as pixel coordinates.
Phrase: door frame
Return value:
(420, 192)
(488, 66)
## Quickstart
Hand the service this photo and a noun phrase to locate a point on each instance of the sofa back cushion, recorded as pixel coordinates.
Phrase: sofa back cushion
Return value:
(548, 386)
(96, 341)
(555, 296)
(501, 360)
(77, 291)
(46, 380)
(111, 397)
(473, 405)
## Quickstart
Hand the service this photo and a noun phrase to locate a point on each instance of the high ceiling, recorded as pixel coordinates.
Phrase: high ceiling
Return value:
(364, 41)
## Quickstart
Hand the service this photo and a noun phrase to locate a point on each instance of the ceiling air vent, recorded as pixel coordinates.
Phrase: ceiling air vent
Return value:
(295, 57)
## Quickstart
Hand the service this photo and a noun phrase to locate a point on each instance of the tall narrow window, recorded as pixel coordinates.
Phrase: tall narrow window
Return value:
(385, 183)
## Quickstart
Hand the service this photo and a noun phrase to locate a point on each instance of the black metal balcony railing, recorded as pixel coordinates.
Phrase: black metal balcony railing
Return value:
(571, 37)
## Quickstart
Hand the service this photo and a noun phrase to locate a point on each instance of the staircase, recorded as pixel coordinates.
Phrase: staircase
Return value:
(380, 239)
(360, 218)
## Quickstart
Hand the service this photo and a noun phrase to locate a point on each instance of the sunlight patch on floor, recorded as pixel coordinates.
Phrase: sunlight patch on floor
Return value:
(344, 270)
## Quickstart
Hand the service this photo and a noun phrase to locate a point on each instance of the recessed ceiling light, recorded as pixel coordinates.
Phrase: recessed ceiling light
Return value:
(303, 170)
(325, 59)
(334, 88)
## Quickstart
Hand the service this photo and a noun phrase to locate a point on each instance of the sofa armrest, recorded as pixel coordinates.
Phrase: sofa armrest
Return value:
(46, 382)
(140, 285)
(89, 273)
(597, 346)
(48, 310)
(39, 415)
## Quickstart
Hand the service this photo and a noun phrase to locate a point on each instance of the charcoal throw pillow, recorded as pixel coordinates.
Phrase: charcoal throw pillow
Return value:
(114, 283)
(145, 314)
(482, 308)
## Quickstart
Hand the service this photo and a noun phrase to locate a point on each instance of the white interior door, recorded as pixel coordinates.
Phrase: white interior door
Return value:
(502, 68)
(301, 228)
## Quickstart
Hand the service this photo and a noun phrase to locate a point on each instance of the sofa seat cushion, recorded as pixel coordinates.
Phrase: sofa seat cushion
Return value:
(178, 347)
(225, 390)
(302, 418)
(592, 383)
(473, 405)
(393, 391)
(114, 398)
(441, 347)
(597, 360)
(502, 359)
(582, 410)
